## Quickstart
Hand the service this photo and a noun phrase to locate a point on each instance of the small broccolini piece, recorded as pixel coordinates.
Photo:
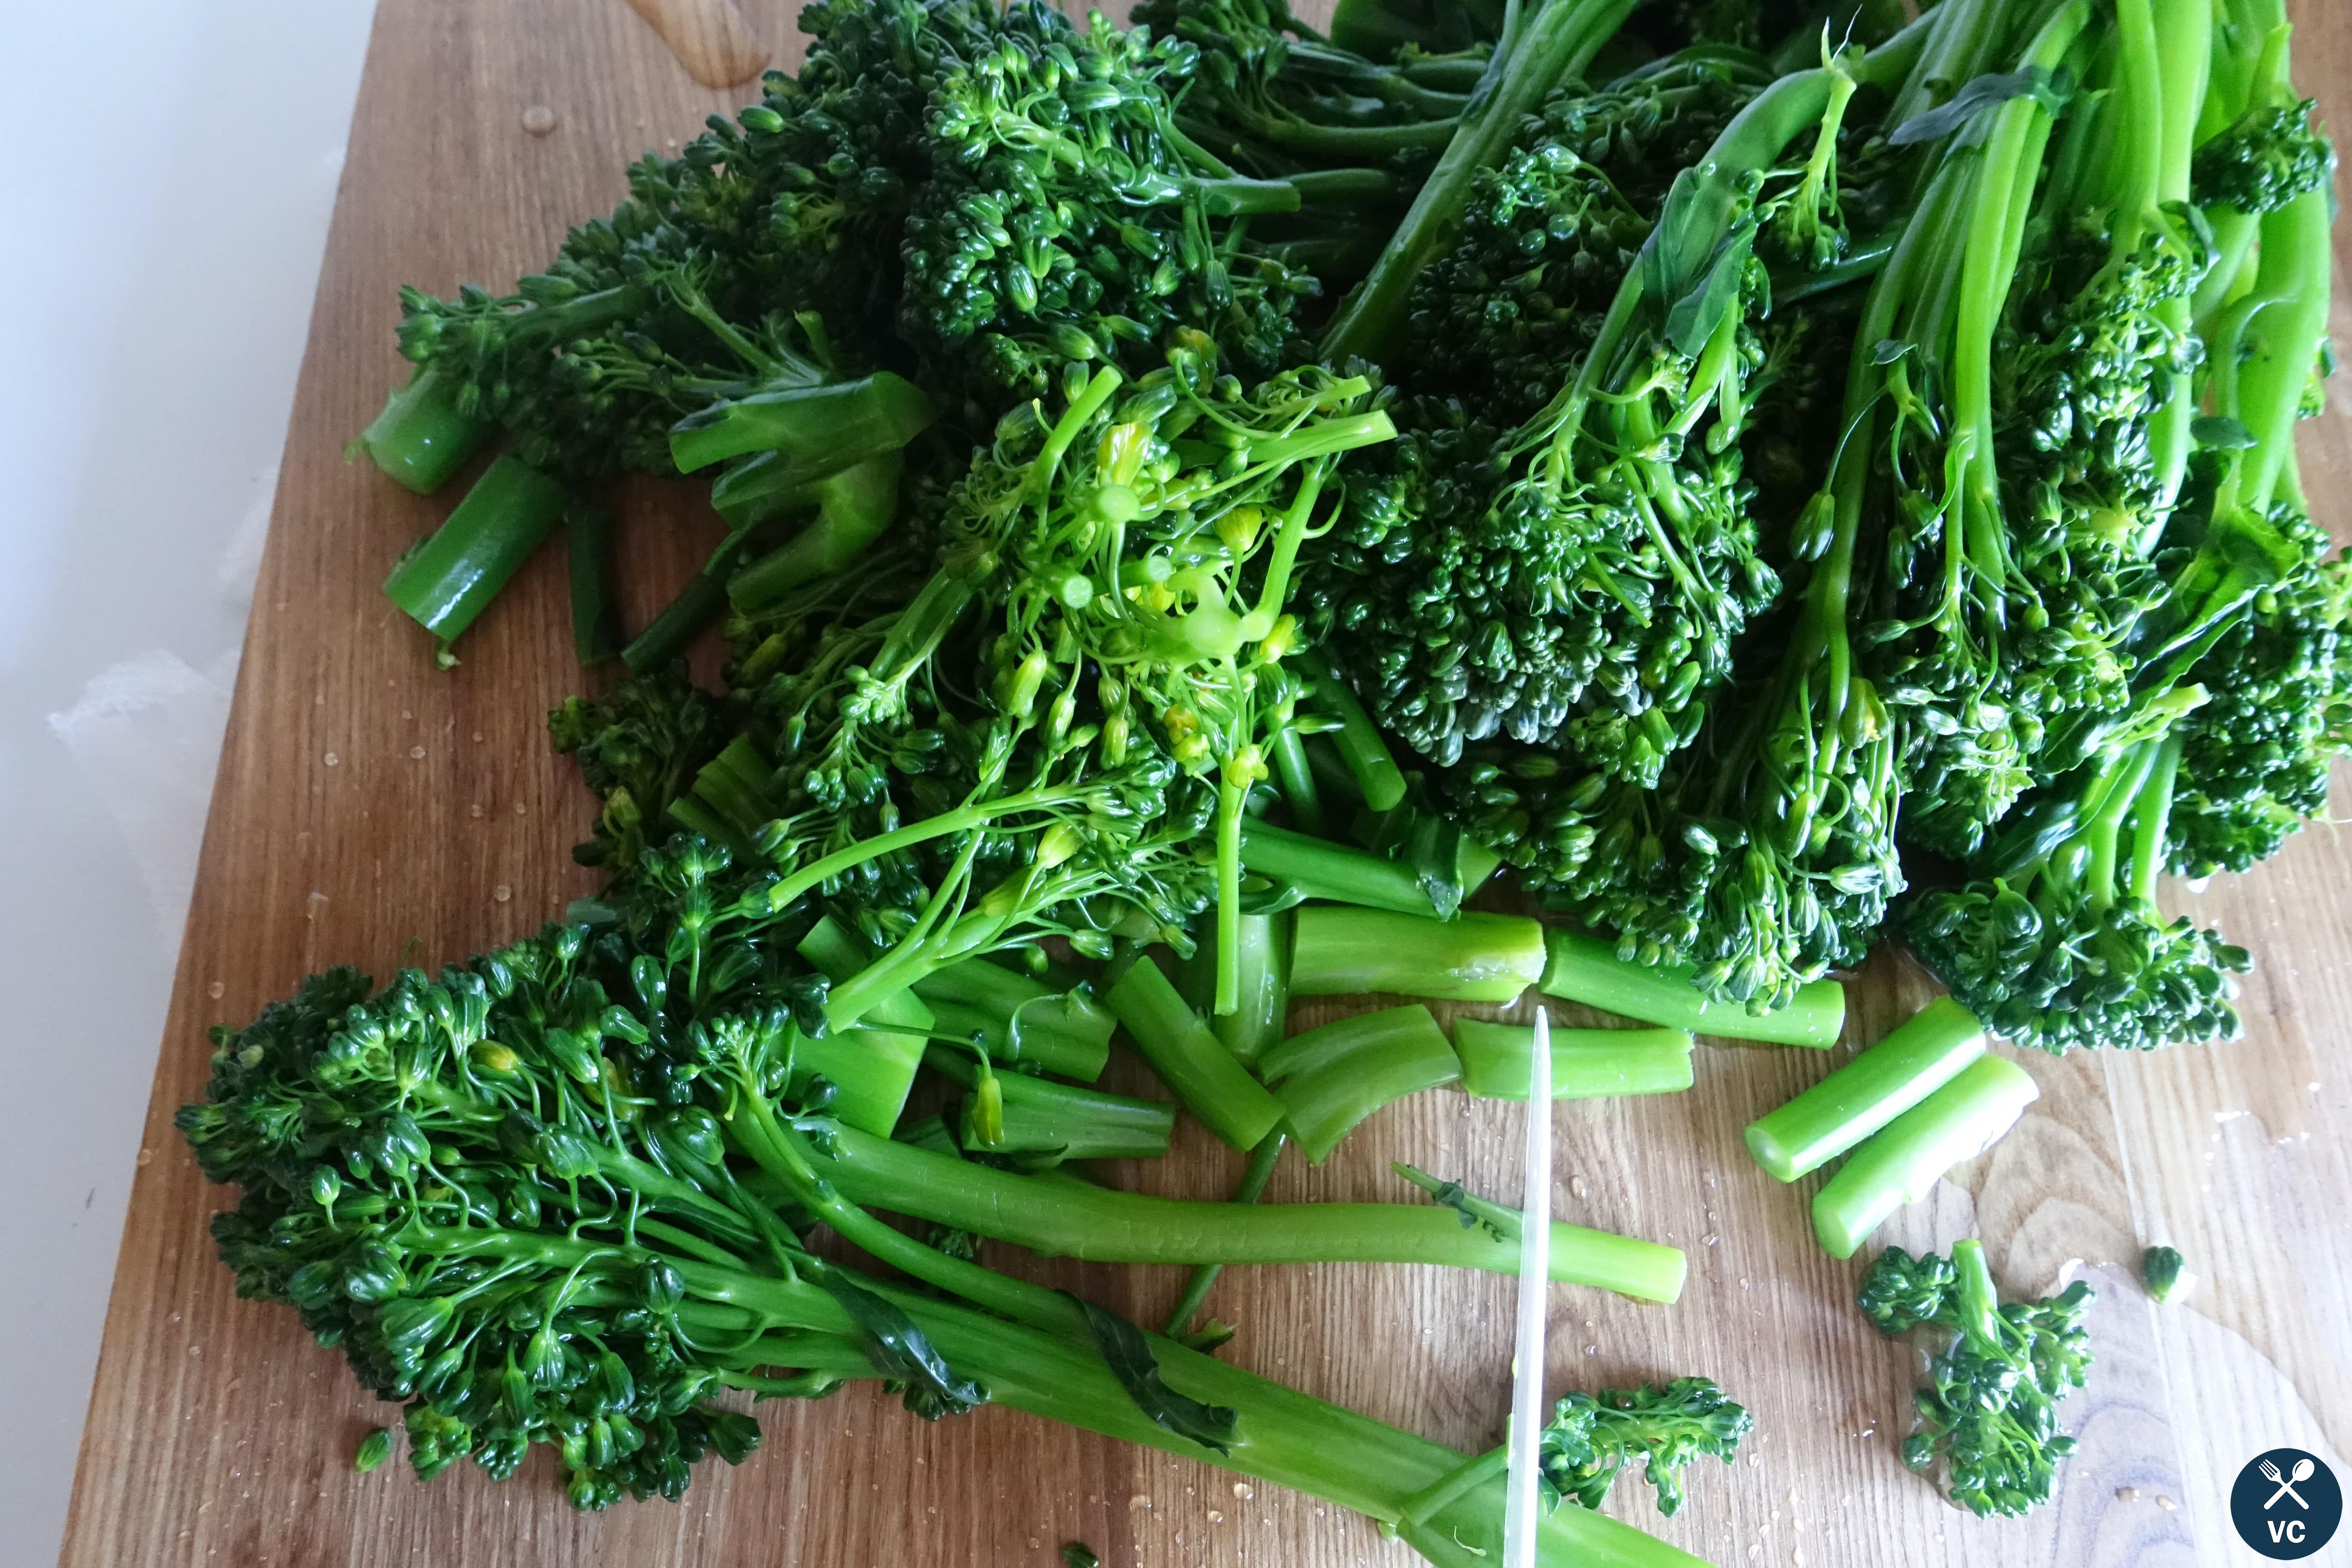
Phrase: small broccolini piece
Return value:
(2165, 1273)
(374, 1449)
(1991, 1406)
(1593, 1437)
(1078, 1555)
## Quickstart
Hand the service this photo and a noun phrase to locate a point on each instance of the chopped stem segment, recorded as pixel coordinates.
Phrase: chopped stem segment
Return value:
(1580, 967)
(1473, 957)
(1498, 1060)
(1926, 1052)
(1903, 1160)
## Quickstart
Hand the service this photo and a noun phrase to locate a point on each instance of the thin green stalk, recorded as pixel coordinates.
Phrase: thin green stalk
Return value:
(1064, 1218)
(1358, 742)
(1261, 1162)
(1473, 957)
(1922, 1055)
(1299, 791)
(697, 605)
(588, 549)
(1641, 1269)
(1903, 1160)
(1584, 968)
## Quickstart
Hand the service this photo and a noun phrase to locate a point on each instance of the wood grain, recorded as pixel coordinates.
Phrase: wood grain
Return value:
(370, 810)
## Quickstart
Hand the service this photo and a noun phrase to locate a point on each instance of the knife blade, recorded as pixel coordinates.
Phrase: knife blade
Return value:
(1521, 1512)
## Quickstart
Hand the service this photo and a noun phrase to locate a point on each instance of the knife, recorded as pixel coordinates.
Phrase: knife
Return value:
(1521, 1511)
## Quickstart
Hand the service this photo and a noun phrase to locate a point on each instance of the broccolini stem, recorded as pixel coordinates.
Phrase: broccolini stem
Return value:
(1358, 741)
(421, 438)
(588, 547)
(1299, 791)
(854, 507)
(1039, 1116)
(2152, 818)
(1330, 1078)
(839, 423)
(1641, 1269)
(1318, 868)
(962, 819)
(1498, 1060)
(1580, 967)
(1017, 1019)
(1900, 1162)
(1064, 1218)
(1262, 1159)
(684, 618)
(1926, 1052)
(1189, 1059)
(1262, 960)
(450, 578)
(1979, 1301)
(1473, 957)
(1232, 793)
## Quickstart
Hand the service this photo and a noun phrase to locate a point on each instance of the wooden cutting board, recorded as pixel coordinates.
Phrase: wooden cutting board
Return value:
(374, 811)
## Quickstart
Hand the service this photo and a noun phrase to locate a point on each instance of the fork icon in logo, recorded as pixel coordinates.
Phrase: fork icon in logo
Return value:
(2286, 1484)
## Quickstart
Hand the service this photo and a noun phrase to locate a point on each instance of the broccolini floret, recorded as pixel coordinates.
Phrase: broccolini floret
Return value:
(1990, 1408)
(1592, 1438)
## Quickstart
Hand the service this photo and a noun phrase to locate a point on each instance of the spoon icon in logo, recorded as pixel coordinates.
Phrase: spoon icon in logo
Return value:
(2286, 1484)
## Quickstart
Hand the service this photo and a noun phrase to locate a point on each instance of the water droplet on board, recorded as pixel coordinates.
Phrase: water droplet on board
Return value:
(538, 120)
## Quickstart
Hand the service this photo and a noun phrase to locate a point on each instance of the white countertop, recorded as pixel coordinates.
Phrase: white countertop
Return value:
(173, 166)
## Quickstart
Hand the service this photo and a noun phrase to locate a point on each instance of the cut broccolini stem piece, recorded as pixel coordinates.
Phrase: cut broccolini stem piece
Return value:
(1903, 1160)
(1018, 1020)
(1357, 740)
(1926, 1052)
(421, 438)
(447, 579)
(1039, 1116)
(840, 423)
(1319, 869)
(1580, 967)
(1328, 1080)
(1262, 961)
(1263, 1160)
(1471, 958)
(1497, 1060)
(698, 605)
(1189, 1059)
(1059, 1217)
(872, 1068)
(595, 618)
(852, 508)
(1643, 1269)
(1299, 793)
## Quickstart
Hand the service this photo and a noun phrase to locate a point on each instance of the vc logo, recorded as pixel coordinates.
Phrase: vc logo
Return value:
(2286, 1503)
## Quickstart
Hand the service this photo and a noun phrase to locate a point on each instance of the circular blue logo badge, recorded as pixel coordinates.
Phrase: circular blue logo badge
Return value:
(2286, 1503)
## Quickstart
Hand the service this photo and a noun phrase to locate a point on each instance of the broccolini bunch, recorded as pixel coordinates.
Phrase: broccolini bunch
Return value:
(1580, 585)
